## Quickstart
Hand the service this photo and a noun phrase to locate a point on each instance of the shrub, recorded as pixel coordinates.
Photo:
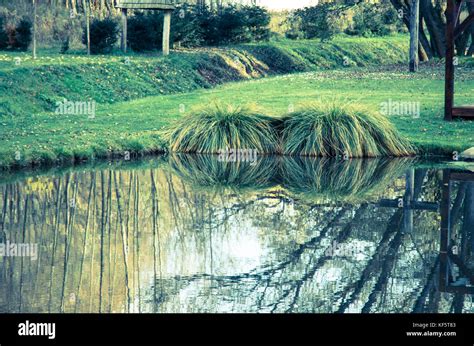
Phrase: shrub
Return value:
(374, 20)
(242, 24)
(11, 33)
(231, 27)
(322, 21)
(186, 29)
(103, 35)
(328, 19)
(193, 27)
(257, 20)
(213, 129)
(208, 23)
(332, 130)
(3, 35)
(23, 35)
(293, 27)
(145, 31)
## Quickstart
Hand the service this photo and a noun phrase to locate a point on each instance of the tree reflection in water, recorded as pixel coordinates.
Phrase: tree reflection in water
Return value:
(198, 235)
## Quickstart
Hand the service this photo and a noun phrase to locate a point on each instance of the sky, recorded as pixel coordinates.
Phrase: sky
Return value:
(286, 4)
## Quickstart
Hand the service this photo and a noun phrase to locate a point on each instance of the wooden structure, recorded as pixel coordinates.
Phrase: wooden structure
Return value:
(456, 276)
(450, 256)
(167, 6)
(454, 28)
(409, 203)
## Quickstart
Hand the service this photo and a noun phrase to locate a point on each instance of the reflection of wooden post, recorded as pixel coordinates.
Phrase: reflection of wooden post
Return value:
(468, 221)
(124, 30)
(166, 32)
(409, 201)
(449, 84)
(445, 226)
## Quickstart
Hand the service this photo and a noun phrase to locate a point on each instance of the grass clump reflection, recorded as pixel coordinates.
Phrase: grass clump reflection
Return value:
(302, 176)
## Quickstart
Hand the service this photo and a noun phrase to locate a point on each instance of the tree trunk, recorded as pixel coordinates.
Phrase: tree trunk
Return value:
(414, 34)
(34, 28)
(88, 26)
(425, 49)
(470, 7)
(436, 27)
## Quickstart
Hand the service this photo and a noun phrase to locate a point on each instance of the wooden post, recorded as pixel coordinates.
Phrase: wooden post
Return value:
(124, 30)
(166, 33)
(88, 26)
(449, 74)
(414, 34)
(34, 28)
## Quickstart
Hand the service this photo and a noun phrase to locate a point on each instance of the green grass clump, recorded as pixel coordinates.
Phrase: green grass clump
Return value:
(332, 130)
(219, 127)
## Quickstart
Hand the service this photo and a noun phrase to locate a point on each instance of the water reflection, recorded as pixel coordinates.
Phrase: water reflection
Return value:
(457, 237)
(281, 235)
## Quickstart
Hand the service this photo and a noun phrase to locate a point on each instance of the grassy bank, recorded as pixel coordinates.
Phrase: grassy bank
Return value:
(134, 125)
(28, 87)
(126, 120)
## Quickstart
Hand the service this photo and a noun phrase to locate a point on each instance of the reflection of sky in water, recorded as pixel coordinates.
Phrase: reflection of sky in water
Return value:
(240, 250)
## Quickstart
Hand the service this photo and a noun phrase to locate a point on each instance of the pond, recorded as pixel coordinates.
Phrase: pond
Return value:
(196, 234)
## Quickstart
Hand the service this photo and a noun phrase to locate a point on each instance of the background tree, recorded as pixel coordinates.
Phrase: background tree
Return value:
(433, 27)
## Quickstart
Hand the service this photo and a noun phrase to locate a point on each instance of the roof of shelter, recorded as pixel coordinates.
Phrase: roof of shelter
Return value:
(148, 4)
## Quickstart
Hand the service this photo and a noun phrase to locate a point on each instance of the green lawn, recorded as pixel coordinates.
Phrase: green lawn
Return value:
(134, 125)
(138, 95)
(277, 95)
(30, 86)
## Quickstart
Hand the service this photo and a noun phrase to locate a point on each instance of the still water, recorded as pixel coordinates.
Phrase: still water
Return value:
(193, 234)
